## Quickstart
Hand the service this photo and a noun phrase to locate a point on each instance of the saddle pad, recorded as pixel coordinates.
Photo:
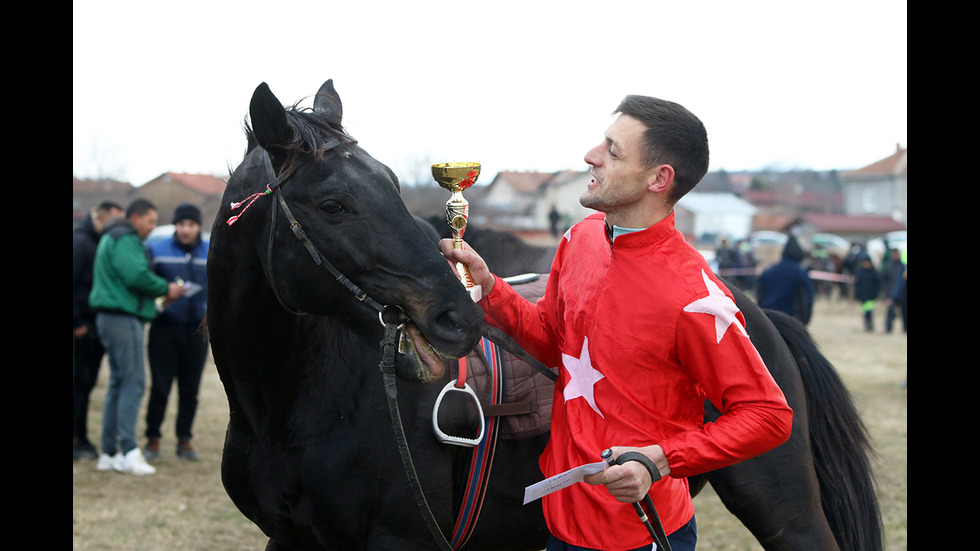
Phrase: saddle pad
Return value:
(528, 395)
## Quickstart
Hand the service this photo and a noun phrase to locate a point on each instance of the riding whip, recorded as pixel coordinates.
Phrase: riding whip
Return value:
(653, 524)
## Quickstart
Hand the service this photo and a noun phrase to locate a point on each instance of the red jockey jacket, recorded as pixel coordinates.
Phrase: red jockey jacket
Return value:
(644, 332)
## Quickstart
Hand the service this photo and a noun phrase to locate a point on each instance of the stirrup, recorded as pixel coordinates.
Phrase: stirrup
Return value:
(457, 440)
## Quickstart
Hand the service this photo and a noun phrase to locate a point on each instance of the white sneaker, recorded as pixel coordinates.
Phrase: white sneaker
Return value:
(133, 463)
(108, 462)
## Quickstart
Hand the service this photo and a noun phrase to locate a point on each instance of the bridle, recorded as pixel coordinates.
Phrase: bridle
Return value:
(274, 182)
(392, 319)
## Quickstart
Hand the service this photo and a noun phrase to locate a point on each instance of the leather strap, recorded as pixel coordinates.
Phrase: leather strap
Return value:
(650, 518)
(643, 460)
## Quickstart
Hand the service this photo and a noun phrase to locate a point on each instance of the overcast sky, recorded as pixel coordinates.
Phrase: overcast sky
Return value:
(514, 85)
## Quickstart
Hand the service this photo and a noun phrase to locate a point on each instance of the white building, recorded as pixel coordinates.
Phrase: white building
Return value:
(524, 201)
(709, 216)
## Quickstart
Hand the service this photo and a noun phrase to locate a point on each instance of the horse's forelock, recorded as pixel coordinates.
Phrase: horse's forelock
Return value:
(311, 134)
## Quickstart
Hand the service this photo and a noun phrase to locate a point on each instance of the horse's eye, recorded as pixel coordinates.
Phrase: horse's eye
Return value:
(333, 207)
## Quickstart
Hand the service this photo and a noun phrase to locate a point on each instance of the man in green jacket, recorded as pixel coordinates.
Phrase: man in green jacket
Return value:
(124, 291)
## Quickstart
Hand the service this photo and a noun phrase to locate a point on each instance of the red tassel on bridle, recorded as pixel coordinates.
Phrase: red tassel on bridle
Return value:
(248, 203)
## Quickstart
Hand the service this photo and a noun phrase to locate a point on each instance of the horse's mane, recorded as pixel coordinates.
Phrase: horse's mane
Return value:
(311, 133)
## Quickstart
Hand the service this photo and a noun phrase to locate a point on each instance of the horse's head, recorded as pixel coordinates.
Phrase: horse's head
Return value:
(327, 221)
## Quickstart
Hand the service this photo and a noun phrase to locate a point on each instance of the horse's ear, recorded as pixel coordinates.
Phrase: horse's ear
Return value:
(327, 103)
(268, 120)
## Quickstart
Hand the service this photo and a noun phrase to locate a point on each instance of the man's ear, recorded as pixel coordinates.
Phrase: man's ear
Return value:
(661, 177)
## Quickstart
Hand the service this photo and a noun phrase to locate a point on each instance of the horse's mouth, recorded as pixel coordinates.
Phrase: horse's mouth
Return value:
(431, 363)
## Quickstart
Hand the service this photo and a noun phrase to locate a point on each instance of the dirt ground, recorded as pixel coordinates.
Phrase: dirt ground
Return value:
(184, 506)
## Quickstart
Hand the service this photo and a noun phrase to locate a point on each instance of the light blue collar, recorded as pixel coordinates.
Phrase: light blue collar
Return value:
(617, 231)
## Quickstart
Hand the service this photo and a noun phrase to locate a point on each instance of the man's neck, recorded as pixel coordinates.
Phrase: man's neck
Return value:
(638, 218)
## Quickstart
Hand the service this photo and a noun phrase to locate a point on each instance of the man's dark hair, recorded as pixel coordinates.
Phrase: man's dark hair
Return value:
(106, 206)
(140, 207)
(674, 136)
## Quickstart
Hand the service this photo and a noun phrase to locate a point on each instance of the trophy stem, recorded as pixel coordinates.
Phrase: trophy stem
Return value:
(457, 212)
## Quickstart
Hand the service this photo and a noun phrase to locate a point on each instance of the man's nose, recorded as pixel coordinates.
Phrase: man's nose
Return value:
(592, 156)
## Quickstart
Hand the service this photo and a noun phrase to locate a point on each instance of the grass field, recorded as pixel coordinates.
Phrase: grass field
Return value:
(184, 505)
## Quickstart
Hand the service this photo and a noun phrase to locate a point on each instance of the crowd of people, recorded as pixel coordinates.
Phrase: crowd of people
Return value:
(788, 286)
(121, 284)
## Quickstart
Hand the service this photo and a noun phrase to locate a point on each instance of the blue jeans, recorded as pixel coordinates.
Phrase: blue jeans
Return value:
(684, 539)
(122, 337)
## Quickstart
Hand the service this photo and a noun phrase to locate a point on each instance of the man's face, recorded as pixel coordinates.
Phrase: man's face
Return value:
(619, 177)
(187, 231)
(145, 223)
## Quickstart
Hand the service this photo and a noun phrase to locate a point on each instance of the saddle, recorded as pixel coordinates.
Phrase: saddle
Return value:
(524, 408)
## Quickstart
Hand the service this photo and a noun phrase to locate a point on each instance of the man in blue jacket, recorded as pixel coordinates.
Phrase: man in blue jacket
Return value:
(177, 347)
(785, 286)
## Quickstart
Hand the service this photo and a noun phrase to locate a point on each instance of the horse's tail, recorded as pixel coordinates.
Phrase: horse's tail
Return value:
(840, 444)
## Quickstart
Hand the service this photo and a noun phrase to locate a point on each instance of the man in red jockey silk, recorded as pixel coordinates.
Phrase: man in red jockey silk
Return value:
(643, 333)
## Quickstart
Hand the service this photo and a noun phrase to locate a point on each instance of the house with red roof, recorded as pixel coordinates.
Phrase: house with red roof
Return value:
(880, 188)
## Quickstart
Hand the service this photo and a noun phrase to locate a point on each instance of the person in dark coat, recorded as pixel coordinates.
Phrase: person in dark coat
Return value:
(867, 287)
(891, 275)
(785, 286)
(87, 351)
(899, 297)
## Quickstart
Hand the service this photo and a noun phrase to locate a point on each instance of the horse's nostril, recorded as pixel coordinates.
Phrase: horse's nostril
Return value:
(458, 320)
(447, 321)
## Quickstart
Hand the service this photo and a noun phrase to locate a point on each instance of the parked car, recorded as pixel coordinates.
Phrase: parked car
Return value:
(895, 239)
(763, 238)
(165, 231)
(831, 241)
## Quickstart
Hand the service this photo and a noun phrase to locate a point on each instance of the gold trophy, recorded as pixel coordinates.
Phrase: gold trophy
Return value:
(456, 177)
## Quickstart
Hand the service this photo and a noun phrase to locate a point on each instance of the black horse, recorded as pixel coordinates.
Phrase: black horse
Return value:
(312, 248)
(314, 259)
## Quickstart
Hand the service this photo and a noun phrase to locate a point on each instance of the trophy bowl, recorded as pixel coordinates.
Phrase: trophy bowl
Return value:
(456, 176)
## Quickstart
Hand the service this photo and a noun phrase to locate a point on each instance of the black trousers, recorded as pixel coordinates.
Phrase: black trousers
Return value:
(176, 353)
(87, 355)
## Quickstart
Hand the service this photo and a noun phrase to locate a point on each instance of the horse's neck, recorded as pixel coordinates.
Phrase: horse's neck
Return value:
(275, 358)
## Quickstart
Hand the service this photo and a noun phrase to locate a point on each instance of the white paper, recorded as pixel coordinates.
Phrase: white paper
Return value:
(561, 480)
(192, 288)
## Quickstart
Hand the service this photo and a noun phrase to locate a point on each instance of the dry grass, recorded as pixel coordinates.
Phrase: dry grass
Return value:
(185, 507)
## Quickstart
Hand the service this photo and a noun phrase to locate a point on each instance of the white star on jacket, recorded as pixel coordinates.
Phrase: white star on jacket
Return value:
(582, 377)
(719, 305)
